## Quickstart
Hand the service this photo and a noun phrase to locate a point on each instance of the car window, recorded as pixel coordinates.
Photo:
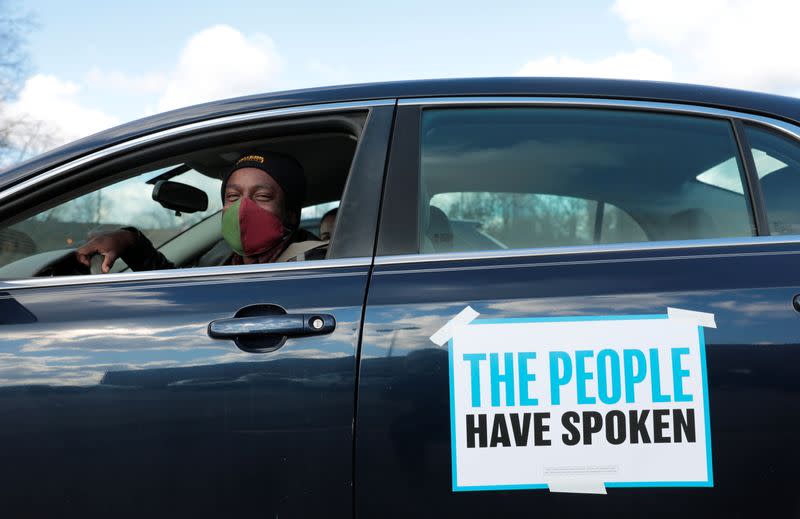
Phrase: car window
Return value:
(70, 224)
(495, 178)
(169, 204)
(777, 160)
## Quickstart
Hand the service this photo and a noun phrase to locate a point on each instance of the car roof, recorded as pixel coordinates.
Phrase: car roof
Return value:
(781, 107)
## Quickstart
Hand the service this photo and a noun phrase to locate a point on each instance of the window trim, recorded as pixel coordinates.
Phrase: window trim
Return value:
(401, 186)
(397, 246)
(179, 131)
(756, 198)
(179, 274)
(437, 257)
(588, 102)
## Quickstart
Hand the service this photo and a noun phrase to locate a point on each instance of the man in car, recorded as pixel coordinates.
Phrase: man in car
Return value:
(262, 195)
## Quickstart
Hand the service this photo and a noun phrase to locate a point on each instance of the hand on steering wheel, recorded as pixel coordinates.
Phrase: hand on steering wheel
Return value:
(107, 247)
(96, 265)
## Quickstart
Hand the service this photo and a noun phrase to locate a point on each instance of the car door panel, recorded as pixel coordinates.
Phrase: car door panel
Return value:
(403, 437)
(403, 434)
(134, 410)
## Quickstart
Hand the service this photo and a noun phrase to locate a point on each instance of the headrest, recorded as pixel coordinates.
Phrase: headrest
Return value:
(440, 231)
(780, 190)
(690, 224)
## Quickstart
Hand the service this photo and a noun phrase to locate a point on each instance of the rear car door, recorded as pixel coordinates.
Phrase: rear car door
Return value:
(117, 402)
(583, 216)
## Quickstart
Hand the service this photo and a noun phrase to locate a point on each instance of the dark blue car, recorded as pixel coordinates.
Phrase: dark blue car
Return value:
(542, 297)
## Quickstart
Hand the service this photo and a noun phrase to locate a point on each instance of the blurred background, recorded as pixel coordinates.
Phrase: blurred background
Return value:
(69, 69)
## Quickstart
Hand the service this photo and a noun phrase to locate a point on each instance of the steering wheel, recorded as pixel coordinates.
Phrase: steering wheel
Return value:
(96, 265)
(68, 265)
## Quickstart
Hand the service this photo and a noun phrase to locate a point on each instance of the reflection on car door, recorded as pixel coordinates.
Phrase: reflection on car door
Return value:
(117, 399)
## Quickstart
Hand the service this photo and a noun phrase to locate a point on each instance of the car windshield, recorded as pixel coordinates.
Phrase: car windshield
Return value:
(126, 203)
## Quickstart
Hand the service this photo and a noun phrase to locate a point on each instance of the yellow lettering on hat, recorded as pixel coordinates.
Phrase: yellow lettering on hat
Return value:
(251, 158)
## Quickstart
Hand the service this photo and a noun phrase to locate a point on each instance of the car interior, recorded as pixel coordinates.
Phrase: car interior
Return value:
(324, 146)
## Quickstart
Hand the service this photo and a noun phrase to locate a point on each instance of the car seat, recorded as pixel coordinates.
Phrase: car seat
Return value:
(440, 231)
(690, 224)
(780, 190)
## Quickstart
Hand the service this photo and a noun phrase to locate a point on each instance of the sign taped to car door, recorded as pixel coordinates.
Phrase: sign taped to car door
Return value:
(579, 404)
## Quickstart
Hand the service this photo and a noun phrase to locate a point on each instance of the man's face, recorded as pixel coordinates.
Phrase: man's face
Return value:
(259, 187)
(326, 226)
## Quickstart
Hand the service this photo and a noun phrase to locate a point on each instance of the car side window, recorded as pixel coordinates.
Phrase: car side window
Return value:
(127, 202)
(494, 178)
(777, 161)
(163, 210)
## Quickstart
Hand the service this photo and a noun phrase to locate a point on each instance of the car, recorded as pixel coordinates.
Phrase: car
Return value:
(542, 296)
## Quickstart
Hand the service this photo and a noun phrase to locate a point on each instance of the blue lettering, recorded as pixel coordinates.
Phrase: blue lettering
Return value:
(602, 377)
(507, 378)
(581, 375)
(525, 378)
(679, 374)
(474, 360)
(557, 380)
(631, 378)
(655, 377)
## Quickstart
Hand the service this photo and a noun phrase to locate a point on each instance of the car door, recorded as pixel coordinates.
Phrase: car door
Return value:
(116, 401)
(576, 213)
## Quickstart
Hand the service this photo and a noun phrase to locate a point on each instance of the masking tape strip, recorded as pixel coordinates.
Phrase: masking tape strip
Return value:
(445, 333)
(577, 485)
(700, 318)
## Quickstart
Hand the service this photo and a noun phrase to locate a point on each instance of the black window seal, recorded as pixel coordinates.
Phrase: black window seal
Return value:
(399, 220)
(359, 210)
(756, 196)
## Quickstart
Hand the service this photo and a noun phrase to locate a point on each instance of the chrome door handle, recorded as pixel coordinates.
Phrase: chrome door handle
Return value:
(290, 325)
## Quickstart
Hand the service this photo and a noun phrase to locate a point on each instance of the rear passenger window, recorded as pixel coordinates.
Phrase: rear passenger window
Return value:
(495, 178)
(776, 158)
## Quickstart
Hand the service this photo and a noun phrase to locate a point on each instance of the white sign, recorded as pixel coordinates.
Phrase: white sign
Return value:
(578, 404)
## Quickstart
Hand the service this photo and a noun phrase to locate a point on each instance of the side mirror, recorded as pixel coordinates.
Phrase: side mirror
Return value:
(181, 198)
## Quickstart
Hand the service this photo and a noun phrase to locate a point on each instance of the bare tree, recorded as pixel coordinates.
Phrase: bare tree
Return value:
(19, 137)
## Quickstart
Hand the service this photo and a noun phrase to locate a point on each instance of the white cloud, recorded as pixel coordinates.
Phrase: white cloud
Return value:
(221, 62)
(736, 43)
(50, 106)
(748, 44)
(639, 64)
(215, 63)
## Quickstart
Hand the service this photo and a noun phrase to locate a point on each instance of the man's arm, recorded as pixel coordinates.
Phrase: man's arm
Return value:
(127, 243)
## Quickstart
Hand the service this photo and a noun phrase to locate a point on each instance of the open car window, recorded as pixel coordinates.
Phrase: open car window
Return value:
(128, 202)
(172, 195)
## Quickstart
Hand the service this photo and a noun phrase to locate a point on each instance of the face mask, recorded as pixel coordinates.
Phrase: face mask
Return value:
(250, 229)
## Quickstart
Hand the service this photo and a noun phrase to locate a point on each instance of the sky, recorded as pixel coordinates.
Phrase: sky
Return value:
(97, 64)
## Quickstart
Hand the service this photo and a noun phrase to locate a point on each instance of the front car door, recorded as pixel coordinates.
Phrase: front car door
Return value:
(115, 400)
(579, 214)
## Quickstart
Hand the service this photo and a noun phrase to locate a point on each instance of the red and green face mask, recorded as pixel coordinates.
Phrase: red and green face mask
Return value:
(250, 229)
